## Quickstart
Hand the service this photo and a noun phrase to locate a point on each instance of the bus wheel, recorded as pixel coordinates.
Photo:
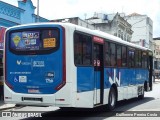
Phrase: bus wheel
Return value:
(112, 99)
(142, 95)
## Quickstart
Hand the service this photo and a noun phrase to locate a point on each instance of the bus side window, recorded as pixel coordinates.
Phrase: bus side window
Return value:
(82, 49)
(113, 54)
(136, 58)
(140, 58)
(107, 54)
(144, 60)
(131, 58)
(87, 50)
(77, 49)
(124, 56)
(119, 55)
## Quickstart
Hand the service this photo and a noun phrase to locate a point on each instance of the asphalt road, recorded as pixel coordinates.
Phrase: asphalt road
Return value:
(145, 109)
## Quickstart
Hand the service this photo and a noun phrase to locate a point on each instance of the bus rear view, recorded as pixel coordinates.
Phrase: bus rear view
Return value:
(34, 64)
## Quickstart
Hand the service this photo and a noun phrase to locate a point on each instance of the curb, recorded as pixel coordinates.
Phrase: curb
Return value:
(5, 108)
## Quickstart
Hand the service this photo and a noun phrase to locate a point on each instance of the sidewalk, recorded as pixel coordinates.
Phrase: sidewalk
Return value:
(4, 106)
(156, 81)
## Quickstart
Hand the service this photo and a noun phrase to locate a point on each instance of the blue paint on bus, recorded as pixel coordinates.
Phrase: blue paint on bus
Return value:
(86, 78)
(35, 74)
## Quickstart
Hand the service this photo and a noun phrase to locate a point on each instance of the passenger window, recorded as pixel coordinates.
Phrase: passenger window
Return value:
(144, 60)
(110, 54)
(131, 56)
(124, 56)
(113, 54)
(107, 54)
(138, 58)
(82, 49)
(119, 55)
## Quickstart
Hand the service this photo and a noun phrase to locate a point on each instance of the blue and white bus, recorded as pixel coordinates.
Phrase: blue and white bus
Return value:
(65, 65)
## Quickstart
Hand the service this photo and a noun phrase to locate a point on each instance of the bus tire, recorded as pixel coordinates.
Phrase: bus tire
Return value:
(112, 99)
(145, 86)
(142, 95)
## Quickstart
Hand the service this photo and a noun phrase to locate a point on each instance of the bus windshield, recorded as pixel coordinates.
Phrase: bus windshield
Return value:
(39, 41)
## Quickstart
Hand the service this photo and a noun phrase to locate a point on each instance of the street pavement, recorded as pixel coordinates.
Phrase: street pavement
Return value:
(4, 106)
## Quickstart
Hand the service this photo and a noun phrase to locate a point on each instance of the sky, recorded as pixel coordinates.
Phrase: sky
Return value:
(58, 9)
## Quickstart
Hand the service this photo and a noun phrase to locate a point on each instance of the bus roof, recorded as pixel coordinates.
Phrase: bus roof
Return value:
(86, 30)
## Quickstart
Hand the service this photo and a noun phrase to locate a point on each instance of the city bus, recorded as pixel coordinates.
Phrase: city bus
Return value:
(69, 66)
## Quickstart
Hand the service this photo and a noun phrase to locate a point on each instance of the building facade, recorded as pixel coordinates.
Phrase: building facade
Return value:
(12, 15)
(142, 26)
(114, 24)
(156, 52)
(76, 21)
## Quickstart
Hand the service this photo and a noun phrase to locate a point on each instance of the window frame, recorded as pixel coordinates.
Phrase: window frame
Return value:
(34, 52)
(91, 54)
(146, 59)
(131, 60)
(120, 55)
(109, 54)
(123, 48)
(126, 56)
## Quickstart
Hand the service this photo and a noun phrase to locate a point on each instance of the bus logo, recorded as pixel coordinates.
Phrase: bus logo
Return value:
(18, 62)
(38, 64)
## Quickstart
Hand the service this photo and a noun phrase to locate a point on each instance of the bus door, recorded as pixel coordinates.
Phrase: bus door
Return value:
(98, 73)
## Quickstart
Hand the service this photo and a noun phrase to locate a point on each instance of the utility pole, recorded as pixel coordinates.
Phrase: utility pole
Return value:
(85, 15)
(37, 10)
